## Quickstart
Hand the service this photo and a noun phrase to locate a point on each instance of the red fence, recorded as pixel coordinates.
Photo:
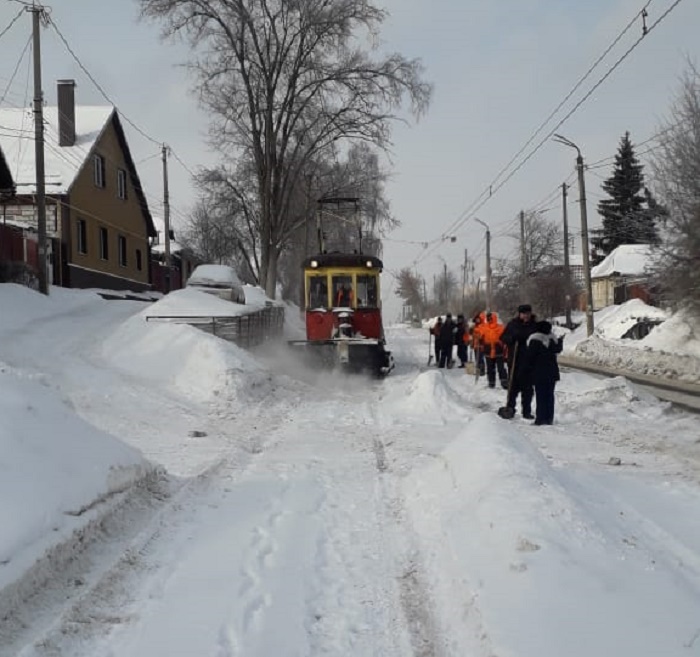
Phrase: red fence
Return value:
(15, 247)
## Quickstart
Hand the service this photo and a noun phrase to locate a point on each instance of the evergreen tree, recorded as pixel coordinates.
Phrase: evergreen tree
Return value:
(629, 214)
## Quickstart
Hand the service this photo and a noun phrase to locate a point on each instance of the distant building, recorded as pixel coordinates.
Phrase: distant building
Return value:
(97, 219)
(182, 260)
(622, 275)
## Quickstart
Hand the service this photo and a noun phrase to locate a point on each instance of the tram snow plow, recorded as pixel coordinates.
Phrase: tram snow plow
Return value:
(343, 314)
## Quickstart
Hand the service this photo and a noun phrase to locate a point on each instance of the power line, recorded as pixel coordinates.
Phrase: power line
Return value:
(97, 85)
(14, 73)
(470, 212)
(12, 22)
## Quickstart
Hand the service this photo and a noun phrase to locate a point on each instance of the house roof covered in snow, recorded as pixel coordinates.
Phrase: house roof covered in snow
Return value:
(625, 260)
(62, 163)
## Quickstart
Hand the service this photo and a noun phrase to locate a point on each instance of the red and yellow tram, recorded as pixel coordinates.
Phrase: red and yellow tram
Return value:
(342, 306)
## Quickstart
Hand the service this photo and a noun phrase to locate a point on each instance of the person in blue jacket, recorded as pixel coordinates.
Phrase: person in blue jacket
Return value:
(542, 349)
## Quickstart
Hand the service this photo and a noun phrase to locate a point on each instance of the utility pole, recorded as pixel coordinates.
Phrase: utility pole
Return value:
(584, 231)
(464, 276)
(488, 264)
(523, 259)
(166, 217)
(567, 268)
(37, 11)
(445, 284)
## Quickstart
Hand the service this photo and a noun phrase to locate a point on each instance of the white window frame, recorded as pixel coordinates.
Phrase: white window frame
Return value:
(121, 184)
(98, 170)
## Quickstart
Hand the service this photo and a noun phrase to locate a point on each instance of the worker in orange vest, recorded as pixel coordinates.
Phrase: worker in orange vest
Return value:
(490, 332)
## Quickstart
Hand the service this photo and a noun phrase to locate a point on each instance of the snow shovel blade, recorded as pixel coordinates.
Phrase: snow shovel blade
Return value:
(506, 412)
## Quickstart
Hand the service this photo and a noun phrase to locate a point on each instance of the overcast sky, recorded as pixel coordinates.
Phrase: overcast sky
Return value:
(499, 68)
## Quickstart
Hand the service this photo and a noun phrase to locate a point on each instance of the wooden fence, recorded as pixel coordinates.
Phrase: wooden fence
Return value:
(246, 330)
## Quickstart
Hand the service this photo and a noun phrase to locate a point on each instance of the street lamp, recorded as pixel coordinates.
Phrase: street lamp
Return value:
(584, 231)
(488, 263)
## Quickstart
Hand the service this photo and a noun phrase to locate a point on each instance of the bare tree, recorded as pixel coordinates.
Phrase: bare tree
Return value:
(409, 287)
(676, 169)
(285, 80)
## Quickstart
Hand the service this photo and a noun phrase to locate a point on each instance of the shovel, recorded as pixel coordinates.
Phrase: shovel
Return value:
(506, 412)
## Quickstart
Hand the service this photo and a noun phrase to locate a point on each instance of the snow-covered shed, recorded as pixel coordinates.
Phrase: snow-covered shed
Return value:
(624, 267)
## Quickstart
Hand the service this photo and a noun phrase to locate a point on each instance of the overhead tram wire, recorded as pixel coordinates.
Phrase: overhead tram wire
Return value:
(12, 22)
(566, 117)
(489, 191)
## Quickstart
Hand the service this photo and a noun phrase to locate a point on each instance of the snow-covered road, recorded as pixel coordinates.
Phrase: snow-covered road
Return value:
(323, 515)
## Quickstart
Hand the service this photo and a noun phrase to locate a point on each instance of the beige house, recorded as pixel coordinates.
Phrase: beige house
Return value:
(98, 223)
(621, 275)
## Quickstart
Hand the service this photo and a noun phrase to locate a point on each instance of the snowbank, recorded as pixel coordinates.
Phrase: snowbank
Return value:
(190, 302)
(182, 358)
(519, 554)
(45, 449)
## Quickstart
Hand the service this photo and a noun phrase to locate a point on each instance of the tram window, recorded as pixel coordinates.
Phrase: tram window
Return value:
(342, 291)
(318, 292)
(367, 291)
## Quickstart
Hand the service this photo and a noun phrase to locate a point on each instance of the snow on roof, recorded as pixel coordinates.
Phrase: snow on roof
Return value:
(626, 259)
(175, 246)
(62, 163)
(214, 276)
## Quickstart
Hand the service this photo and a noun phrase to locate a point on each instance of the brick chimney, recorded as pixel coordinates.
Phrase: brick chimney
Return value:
(66, 112)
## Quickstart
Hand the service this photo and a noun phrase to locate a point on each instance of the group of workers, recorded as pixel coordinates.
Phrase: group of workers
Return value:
(523, 354)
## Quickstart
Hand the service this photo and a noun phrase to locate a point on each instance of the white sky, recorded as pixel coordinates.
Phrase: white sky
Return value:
(288, 513)
(499, 68)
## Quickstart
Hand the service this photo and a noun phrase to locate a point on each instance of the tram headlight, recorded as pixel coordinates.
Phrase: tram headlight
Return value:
(314, 264)
(369, 264)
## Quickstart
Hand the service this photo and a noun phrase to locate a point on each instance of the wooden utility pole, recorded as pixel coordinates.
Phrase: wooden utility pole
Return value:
(567, 267)
(37, 11)
(166, 218)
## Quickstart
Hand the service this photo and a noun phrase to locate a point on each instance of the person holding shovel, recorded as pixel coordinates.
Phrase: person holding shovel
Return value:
(518, 330)
(542, 349)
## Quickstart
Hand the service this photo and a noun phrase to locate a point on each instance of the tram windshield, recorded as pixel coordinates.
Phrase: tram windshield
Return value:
(343, 294)
(318, 292)
(367, 291)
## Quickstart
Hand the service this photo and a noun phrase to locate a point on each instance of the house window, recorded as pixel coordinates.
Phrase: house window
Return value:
(104, 244)
(122, 250)
(139, 264)
(99, 166)
(121, 183)
(82, 236)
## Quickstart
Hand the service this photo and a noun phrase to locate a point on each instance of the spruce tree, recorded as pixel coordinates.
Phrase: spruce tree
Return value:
(630, 212)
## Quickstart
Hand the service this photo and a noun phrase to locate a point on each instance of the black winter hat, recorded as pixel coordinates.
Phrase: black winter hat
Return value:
(543, 327)
(525, 308)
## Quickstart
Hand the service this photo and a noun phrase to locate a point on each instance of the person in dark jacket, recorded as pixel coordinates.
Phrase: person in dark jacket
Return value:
(446, 341)
(518, 330)
(542, 349)
(459, 340)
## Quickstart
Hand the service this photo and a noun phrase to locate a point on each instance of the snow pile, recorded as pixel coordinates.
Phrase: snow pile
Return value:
(620, 319)
(20, 306)
(46, 448)
(182, 358)
(671, 350)
(190, 302)
(545, 560)
(679, 334)
(428, 398)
